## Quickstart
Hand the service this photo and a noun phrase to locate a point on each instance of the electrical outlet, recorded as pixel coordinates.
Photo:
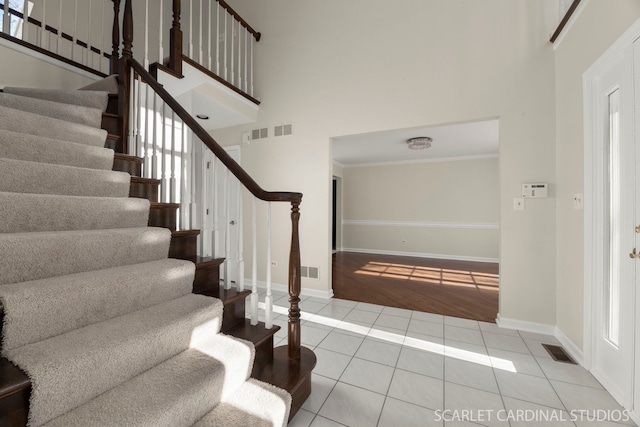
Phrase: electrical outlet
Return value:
(578, 201)
(518, 204)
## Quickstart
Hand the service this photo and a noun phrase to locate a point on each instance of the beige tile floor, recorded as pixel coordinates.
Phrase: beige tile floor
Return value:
(383, 366)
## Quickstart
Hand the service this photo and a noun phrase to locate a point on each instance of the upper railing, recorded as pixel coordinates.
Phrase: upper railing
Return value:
(76, 32)
(207, 34)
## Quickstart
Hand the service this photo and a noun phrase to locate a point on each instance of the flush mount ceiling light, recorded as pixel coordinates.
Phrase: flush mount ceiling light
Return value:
(202, 117)
(419, 142)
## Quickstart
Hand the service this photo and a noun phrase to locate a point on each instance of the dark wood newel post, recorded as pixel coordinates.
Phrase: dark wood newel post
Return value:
(175, 40)
(294, 284)
(115, 38)
(124, 92)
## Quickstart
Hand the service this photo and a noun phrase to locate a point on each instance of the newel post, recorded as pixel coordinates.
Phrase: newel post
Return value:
(115, 38)
(294, 284)
(124, 90)
(175, 40)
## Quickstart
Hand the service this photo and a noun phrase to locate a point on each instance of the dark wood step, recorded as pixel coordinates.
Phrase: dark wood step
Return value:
(126, 163)
(234, 307)
(291, 375)
(115, 143)
(112, 105)
(163, 215)
(262, 339)
(184, 244)
(206, 281)
(110, 123)
(144, 188)
(15, 389)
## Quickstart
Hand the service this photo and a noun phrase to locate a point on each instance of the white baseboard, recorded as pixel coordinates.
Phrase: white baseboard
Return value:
(421, 255)
(574, 351)
(279, 287)
(540, 328)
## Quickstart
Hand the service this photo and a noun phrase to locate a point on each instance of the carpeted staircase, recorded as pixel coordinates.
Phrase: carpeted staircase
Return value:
(103, 323)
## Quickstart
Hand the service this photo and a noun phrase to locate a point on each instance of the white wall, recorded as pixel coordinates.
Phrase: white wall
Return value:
(20, 69)
(598, 25)
(346, 67)
(447, 209)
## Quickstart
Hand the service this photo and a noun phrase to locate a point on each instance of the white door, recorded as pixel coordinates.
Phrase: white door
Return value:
(614, 282)
(222, 213)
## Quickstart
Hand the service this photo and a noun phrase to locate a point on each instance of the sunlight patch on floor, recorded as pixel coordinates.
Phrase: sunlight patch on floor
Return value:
(431, 275)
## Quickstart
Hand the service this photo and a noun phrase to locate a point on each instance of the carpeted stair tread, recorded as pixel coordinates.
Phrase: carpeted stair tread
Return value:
(34, 256)
(41, 309)
(22, 213)
(108, 84)
(175, 393)
(85, 98)
(255, 404)
(35, 124)
(70, 113)
(19, 176)
(71, 369)
(22, 146)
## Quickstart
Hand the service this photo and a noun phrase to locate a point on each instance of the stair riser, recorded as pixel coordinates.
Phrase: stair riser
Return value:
(264, 356)
(233, 315)
(163, 217)
(14, 409)
(110, 124)
(144, 190)
(183, 247)
(112, 106)
(206, 281)
(133, 168)
(115, 143)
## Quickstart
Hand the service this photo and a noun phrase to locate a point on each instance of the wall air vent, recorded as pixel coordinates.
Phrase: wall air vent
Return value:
(259, 134)
(283, 130)
(310, 272)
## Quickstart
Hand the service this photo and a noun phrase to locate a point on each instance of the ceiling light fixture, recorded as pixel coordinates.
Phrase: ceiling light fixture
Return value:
(419, 142)
(202, 117)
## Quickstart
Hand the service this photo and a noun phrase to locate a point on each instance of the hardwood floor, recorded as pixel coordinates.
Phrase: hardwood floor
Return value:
(453, 288)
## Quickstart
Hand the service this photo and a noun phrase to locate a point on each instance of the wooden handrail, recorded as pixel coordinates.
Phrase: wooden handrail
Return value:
(207, 139)
(565, 20)
(242, 22)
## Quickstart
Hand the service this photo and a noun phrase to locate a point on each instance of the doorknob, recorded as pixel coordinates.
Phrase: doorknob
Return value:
(637, 228)
(634, 254)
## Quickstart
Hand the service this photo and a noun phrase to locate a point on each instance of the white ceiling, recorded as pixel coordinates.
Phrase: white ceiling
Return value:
(475, 139)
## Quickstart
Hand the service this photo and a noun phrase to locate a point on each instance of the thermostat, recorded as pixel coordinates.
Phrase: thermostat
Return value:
(538, 190)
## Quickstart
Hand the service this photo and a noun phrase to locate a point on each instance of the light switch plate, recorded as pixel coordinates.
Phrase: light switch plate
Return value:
(518, 204)
(578, 201)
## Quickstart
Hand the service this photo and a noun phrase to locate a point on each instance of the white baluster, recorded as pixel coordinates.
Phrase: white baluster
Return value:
(209, 39)
(253, 300)
(200, 32)
(227, 232)
(6, 18)
(164, 186)
(89, 52)
(75, 30)
(144, 134)
(154, 155)
(215, 239)
(142, 152)
(185, 173)
(226, 38)
(59, 26)
(102, 37)
(25, 21)
(193, 208)
(146, 35)
(133, 147)
(217, 38)
(251, 66)
(43, 31)
(268, 300)
(240, 257)
(191, 28)
(233, 65)
(172, 182)
(247, 35)
(160, 32)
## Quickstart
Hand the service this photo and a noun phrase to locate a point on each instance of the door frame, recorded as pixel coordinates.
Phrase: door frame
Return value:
(593, 206)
